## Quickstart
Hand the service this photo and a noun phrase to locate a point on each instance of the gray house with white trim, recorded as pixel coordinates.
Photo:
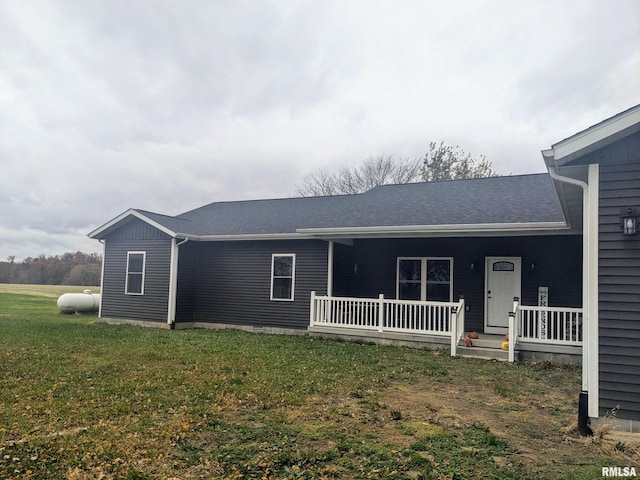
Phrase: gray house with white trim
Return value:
(420, 263)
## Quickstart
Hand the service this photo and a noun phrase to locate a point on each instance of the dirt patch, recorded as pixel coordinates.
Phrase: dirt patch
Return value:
(542, 430)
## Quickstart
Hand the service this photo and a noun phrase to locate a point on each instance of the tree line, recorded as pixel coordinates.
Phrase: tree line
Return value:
(68, 269)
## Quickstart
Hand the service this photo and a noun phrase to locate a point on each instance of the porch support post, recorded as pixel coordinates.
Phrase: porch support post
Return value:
(330, 269)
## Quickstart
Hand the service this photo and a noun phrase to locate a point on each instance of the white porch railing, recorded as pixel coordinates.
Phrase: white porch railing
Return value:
(549, 325)
(386, 315)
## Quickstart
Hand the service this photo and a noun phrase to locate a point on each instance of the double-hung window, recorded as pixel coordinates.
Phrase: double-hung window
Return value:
(283, 274)
(425, 278)
(134, 284)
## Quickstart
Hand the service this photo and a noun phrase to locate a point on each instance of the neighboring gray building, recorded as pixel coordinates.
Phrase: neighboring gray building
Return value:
(421, 263)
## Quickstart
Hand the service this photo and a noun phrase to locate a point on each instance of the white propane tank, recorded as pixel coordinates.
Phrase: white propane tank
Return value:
(79, 302)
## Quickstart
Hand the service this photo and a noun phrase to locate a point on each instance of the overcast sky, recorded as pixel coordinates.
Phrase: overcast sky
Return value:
(169, 105)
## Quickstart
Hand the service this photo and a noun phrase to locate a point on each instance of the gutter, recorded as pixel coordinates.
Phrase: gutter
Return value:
(468, 228)
(234, 237)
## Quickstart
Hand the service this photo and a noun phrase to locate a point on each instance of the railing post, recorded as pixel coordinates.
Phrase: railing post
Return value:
(454, 330)
(312, 314)
(461, 315)
(512, 336)
(381, 312)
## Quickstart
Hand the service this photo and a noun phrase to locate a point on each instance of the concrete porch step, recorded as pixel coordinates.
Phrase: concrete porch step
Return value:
(487, 346)
(486, 340)
(483, 352)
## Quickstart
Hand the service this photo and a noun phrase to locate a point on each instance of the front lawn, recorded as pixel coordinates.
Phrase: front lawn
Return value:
(81, 399)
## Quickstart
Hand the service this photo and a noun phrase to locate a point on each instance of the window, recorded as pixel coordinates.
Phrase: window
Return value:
(409, 278)
(503, 267)
(135, 273)
(283, 268)
(425, 279)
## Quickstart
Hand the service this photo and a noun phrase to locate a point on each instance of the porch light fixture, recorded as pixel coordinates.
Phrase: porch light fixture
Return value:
(629, 221)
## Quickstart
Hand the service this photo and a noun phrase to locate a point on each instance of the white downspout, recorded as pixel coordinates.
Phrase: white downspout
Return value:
(173, 281)
(593, 301)
(590, 348)
(103, 241)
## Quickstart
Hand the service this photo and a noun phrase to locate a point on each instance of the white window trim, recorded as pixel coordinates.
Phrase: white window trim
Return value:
(144, 269)
(423, 275)
(293, 277)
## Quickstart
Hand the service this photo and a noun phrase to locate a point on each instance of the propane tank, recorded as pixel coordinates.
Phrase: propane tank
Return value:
(79, 302)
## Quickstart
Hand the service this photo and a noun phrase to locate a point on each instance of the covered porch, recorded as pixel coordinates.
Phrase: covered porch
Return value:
(432, 292)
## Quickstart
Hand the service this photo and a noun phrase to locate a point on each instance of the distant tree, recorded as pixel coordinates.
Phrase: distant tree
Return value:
(441, 162)
(374, 171)
(85, 274)
(444, 162)
(69, 269)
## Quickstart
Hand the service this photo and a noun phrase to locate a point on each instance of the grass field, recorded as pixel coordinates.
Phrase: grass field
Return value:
(52, 291)
(83, 400)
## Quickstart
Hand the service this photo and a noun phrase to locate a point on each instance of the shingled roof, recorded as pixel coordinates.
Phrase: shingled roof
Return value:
(512, 202)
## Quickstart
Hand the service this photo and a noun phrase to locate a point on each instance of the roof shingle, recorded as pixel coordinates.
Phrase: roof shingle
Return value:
(494, 200)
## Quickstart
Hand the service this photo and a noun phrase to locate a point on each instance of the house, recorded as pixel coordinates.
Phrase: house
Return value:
(542, 257)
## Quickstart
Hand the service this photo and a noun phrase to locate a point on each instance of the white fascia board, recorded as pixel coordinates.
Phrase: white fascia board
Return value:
(123, 216)
(595, 137)
(257, 236)
(449, 229)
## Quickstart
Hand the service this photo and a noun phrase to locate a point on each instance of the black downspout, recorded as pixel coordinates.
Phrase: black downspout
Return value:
(584, 423)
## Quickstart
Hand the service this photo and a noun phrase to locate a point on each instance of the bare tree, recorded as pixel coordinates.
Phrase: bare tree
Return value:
(316, 184)
(441, 162)
(374, 171)
(444, 162)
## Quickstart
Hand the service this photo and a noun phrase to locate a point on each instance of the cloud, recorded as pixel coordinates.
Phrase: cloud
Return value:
(168, 106)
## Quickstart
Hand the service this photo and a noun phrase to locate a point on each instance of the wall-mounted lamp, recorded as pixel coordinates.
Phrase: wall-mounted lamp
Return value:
(533, 266)
(629, 221)
(472, 267)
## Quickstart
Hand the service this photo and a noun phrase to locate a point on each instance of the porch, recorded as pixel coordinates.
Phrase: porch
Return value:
(536, 332)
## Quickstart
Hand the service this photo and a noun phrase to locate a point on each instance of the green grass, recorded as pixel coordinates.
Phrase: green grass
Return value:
(82, 399)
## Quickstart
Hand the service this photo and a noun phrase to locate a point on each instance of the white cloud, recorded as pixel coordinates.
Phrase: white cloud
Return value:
(168, 106)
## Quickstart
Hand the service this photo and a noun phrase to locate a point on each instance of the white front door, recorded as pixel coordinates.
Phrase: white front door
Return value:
(502, 283)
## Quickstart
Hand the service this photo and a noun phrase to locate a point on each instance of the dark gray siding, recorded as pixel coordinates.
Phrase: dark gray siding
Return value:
(619, 280)
(186, 295)
(233, 282)
(343, 269)
(557, 259)
(152, 306)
